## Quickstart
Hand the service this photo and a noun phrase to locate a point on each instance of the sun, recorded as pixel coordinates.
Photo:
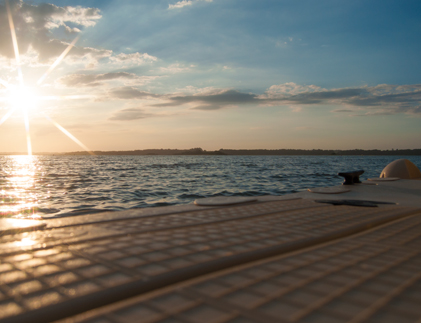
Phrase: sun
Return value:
(23, 98)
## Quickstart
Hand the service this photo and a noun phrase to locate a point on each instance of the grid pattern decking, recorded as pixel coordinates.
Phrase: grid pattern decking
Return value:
(356, 279)
(49, 278)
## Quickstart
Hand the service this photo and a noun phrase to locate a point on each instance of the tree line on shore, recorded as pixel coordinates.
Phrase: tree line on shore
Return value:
(260, 152)
(243, 152)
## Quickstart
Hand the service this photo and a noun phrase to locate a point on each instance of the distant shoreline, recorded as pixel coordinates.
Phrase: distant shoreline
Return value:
(238, 152)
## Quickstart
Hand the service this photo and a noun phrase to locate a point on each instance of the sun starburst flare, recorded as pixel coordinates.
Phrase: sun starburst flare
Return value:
(68, 134)
(23, 98)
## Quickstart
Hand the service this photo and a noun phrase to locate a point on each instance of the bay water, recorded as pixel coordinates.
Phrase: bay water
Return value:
(57, 186)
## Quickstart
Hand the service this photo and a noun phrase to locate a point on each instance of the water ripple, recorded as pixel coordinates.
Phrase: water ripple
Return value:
(56, 186)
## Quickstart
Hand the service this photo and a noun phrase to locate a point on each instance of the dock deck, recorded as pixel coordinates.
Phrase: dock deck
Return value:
(278, 259)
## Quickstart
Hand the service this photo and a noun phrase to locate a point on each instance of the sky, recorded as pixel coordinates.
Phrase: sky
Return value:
(215, 74)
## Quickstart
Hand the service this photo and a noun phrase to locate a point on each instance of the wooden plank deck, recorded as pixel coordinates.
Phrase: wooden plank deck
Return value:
(273, 261)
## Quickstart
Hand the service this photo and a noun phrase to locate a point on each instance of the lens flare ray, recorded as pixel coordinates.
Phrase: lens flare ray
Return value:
(6, 116)
(68, 134)
(14, 41)
(66, 97)
(58, 60)
(28, 135)
(4, 83)
(22, 91)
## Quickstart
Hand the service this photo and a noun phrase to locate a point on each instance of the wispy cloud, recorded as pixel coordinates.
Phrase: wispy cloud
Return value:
(289, 89)
(130, 93)
(227, 97)
(381, 99)
(207, 107)
(130, 114)
(176, 68)
(343, 110)
(133, 58)
(184, 3)
(206, 102)
(75, 80)
(378, 100)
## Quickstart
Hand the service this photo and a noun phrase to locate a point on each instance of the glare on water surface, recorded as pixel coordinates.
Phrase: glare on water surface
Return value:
(18, 193)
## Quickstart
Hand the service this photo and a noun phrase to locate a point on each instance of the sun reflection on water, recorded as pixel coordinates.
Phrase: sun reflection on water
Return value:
(18, 193)
(25, 242)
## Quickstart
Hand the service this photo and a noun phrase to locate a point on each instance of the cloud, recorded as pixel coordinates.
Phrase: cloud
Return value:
(207, 107)
(74, 80)
(184, 3)
(305, 95)
(404, 98)
(86, 17)
(324, 96)
(133, 59)
(72, 30)
(290, 88)
(196, 90)
(213, 100)
(180, 4)
(384, 99)
(343, 110)
(130, 93)
(378, 100)
(37, 28)
(43, 33)
(227, 97)
(130, 114)
(382, 89)
(381, 99)
(176, 68)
